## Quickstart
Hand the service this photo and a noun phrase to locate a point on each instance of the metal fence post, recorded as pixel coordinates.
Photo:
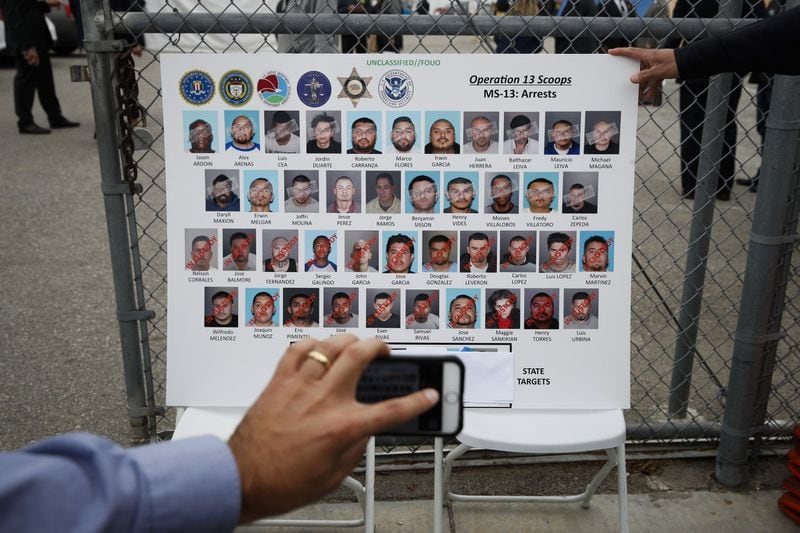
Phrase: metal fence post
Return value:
(700, 234)
(763, 292)
(100, 52)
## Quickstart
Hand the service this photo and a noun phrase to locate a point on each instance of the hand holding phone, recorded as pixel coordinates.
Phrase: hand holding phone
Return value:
(395, 376)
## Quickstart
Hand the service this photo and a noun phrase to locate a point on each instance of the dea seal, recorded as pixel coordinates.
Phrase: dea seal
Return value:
(274, 88)
(354, 87)
(314, 88)
(197, 87)
(396, 88)
(236, 88)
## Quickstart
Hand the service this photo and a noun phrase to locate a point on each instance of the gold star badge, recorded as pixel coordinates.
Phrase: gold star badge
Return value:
(354, 87)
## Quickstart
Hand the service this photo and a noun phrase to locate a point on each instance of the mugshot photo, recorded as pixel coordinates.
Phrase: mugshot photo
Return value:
(239, 249)
(542, 308)
(261, 187)
(262, 307)
(361, 251)
(502, 309)
(343, 188)
(557, 251)
(201, 249)
(220, 307)
(301, 191)
(541, 192)
(501, 191)
(563, 133)
(580, 193)
(383, 192)
(602, 133)
(365, 132)
(400, 252)
(320, 251)
(463, 308)
(581, 308)
(444, 132)
(481, 132)
(282, 132)
(439, 251)
(521, 133)
(404, 132)
(301, 307)
(422, 188)
(324, 131)
(222, 190)
(383, 308)
(518, 251)
(461, 192)
(280, 250)
(242, 131)
(340, 307)
(478, 251)
(422, 309)
(200, 127)
(597, 251)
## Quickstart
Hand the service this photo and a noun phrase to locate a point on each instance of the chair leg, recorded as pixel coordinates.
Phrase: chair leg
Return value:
(460, 450)
(622, 489)
(438, 491)
(599, 477)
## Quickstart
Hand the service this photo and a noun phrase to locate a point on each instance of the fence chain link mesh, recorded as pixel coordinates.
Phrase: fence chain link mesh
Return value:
(663, 210)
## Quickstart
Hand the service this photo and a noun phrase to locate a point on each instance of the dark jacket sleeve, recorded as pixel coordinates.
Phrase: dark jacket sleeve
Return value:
(771, 46)
(24, 24)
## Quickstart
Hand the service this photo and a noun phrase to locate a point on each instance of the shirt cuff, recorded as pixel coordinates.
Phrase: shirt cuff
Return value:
(193, 485)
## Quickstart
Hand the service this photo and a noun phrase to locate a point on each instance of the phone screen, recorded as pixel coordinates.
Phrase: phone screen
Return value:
(392, 377)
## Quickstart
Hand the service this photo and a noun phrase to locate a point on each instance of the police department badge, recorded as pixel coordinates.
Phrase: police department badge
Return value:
(314, 88)
(354, 87)
(197, 87)
(396, 88)
(274, 88)
(236, 88)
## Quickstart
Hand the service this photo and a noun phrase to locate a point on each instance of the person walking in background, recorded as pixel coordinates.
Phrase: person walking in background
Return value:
(585, 43)
(519, 44)
(29, 40)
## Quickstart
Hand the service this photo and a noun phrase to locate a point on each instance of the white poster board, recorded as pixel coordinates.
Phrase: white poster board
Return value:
(520, 239)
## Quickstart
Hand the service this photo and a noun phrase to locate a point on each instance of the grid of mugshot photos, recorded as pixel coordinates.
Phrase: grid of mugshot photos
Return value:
(395, 191)
(320, 131)
(412, 309)
(398, 251)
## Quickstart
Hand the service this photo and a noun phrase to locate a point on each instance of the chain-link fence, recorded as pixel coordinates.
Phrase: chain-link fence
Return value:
(692, 224)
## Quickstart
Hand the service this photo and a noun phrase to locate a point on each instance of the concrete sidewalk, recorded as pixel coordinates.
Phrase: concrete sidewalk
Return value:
(667, 512)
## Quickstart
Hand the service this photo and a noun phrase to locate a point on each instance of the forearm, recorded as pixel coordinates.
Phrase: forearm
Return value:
(771, 45)
(85, 483)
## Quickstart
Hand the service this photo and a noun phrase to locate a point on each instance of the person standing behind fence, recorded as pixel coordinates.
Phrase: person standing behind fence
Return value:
(28, 37)
(586, 42)
(352, 43)
(520, 44)
(693, 96)
(387, 42)
(306, 43)
(615, 8)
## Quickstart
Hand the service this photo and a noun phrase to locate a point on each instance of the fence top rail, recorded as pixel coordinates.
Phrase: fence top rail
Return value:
(454, 24)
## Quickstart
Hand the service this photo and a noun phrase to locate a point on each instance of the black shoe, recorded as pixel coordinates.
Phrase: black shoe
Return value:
(751, 184)
(62, 122)
(724, 195)
(688, 195)
(33, 129)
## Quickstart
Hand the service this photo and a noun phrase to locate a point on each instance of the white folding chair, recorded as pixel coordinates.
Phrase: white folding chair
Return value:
(533, 431)
(222, 421)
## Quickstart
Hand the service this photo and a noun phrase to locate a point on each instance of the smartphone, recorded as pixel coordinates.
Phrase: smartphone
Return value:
(395, 376)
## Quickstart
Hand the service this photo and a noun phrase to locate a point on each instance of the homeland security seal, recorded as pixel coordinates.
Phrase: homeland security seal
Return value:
(274, 88)
(197, 87)
(354, 87)
(314, 88)
(236, 87)
(396, 88)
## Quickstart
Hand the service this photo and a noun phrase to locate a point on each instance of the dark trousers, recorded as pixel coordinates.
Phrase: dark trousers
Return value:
(30, 80)
(693, 95)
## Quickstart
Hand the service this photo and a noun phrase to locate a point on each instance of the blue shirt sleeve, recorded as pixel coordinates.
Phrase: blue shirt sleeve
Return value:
(85, 483)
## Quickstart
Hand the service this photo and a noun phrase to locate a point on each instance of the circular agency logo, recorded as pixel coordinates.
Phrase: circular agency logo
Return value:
(197, 87)
(274, 88)
(396, 88)
(236, 87)
(314, 88)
